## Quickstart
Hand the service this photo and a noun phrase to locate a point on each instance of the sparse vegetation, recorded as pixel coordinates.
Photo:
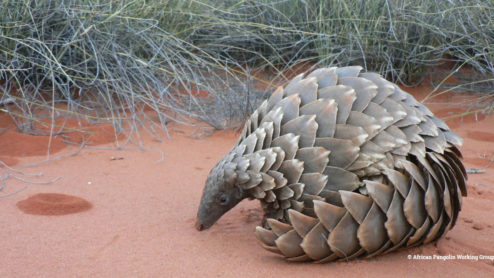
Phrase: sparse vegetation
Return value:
(102, 60)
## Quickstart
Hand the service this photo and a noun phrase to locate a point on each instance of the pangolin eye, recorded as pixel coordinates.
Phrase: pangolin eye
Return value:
(223, 199)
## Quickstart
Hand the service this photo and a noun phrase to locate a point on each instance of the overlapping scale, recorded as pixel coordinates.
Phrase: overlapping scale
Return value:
(346, 165)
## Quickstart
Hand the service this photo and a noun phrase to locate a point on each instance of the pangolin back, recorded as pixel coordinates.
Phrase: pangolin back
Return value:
(347, 165)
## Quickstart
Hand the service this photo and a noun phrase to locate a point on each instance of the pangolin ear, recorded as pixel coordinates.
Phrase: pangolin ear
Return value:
(239, 193)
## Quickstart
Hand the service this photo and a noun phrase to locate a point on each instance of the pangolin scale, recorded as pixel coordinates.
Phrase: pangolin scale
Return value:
(345, 165)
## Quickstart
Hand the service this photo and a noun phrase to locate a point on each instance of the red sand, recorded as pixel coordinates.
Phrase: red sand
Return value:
(53, 204)
(142, 220)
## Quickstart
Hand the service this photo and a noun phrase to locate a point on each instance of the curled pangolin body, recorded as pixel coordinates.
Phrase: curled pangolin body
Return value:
(347, 165)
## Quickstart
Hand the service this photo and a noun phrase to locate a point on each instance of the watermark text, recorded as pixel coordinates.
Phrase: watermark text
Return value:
(450, 257)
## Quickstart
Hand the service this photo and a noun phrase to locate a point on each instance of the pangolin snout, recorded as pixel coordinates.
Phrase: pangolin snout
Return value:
(199, 226)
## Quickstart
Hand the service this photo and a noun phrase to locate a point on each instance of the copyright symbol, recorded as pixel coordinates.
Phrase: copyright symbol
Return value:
(409, 257)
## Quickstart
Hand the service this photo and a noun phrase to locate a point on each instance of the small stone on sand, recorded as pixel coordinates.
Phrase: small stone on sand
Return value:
(478, 226)
(468, 220)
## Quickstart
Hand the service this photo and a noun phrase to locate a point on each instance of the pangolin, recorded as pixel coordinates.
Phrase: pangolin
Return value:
(345, 164)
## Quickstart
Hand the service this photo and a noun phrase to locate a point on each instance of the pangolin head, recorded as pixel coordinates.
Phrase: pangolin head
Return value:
(220, 195)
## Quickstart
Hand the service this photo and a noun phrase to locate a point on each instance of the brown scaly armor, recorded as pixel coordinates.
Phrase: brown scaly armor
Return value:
(345, 165)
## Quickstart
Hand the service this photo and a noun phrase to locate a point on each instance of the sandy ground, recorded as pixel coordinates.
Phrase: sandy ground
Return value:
(141, 223)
